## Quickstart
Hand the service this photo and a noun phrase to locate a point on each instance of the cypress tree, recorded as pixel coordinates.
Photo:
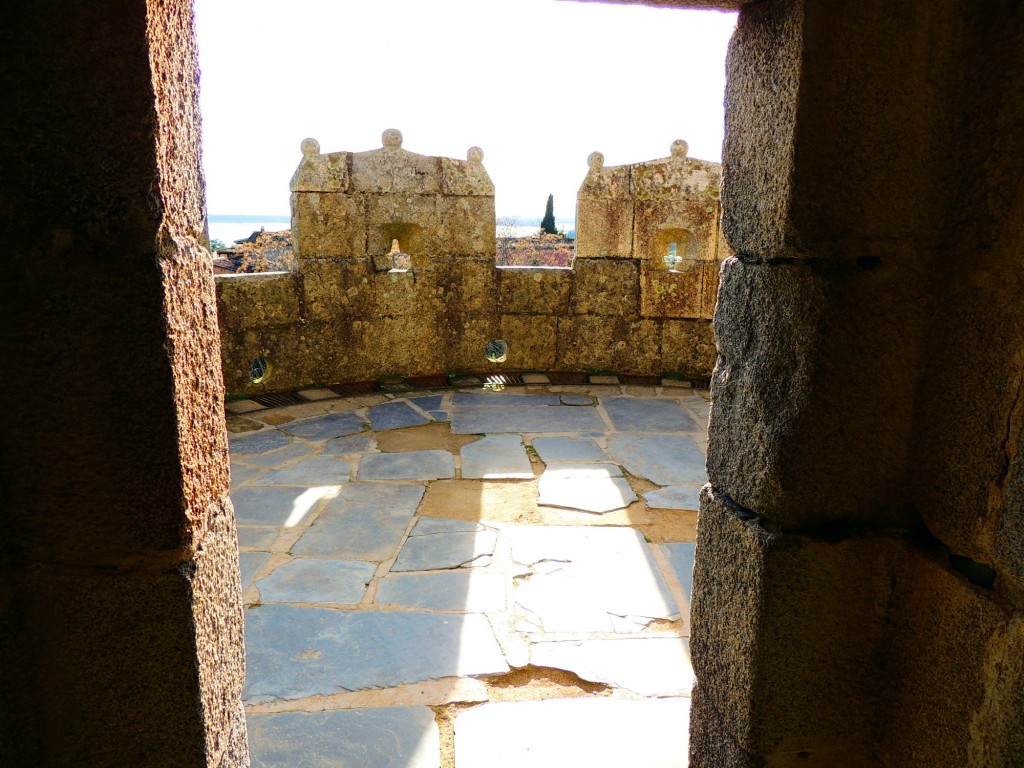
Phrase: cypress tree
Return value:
(547, 224)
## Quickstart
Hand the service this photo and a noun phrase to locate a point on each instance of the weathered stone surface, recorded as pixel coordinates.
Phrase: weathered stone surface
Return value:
(535, 291)
(532, 340)
(671, 294)
(588, 487)
(310, 472)
(411, 465)
(293, 652)
(649, 666)
(320, 172)
(325, 427)
(571, 588)
(365, 521)
(692, 225)
(436, 544)
(496, 456)
(645, 414)
(563, 449)
(662, 459)
(258, 300)
(394, 415)
(604, 228)
(794, 343)
(606, 287)
(688, 346)
(615, 343)
(592, 732)
(382, 737)
(473, 591)
(328, 225)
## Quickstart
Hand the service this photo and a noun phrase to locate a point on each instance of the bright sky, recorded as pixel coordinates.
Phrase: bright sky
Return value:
(538, 84)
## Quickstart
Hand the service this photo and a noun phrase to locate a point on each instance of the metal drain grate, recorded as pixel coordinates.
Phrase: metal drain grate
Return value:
(354, 388)
(564, 377)
(278, 399)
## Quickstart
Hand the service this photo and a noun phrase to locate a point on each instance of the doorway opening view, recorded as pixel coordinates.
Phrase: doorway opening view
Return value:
(466, 484)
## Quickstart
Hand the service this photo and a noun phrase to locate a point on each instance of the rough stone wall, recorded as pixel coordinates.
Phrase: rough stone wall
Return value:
(120, 606)
(345, 315)
(859, 569)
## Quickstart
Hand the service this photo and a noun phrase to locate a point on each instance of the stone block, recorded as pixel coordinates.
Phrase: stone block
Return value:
(411, 219)
(612, 343)
(688, 347)
(466, 285)
(532, 340)
(258, 300)
(463, 340)
(709, 293)
(604, 182)
(535, 291)
(605, 287)
(466, 226)
(328, 225)
(604, 227)
(397, 171)
(691, 225)
(338, 288)
(797, 409)
(467, 178)
(785, 631)
(676, 293)
(387, 345)
(676, 178)
(711, 743)
(321, 172)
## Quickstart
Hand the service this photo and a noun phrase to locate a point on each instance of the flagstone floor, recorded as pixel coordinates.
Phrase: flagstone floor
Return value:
(472, 577)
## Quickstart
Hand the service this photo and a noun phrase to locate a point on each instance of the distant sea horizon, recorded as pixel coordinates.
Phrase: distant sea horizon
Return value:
(231, 227)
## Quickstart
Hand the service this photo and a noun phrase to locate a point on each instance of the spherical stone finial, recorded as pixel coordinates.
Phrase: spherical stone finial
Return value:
(475, 155)
(595, 160)
(391, 138)
(310, 147)
(679, 149)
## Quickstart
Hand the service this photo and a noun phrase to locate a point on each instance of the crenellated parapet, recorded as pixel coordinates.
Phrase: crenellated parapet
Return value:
(665, 214)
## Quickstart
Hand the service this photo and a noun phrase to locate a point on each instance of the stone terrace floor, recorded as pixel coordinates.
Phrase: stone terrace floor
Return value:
(476, 577)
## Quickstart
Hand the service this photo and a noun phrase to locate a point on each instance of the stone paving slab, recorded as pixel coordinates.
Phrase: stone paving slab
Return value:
(276, 505)
(293, 652)
(574, 733)
(436, 544)
(496, 457)
(428, 402)
(322, 470)
(320, 393)
(325, 427)
(275, 458)
(248, 564)
(259, 442)
(409, 465)
(589, 487)
(305, 580)
(241, 474)
(256, 537)
(644, 414)
(587, 579)
(439, 415)
(384, 737)
(365, 521)
(488, 419)
(680, 557)
(339, 446)
(395, 415)
(562, 449)
(472, 591)
(674, 497)
(649, 666)
(662, 459)
(577, 400)
(242, 406)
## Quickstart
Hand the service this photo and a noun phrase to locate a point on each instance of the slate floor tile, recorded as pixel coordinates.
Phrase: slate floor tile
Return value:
(325, 427)
(594, 487)
(293, 652)
(277, 506)
(365, 521)
(561, 449)
(256, 537)
(437, 544)
(275, 458)
(662, 459)
(674, 497)
(322, 470)
(395, 415)
(490, 419)
(249, 563)
(308, 580)
(384, 737)
(260, 442)
(241, 474)
(680, 557)
(339, 446)
(408, 465)
(473, 591)
(645, 414)
(427, 402)
(498, 400)
(496, 457)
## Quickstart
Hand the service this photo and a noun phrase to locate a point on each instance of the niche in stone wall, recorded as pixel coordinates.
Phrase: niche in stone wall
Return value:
(410, 241)
(678, 249)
